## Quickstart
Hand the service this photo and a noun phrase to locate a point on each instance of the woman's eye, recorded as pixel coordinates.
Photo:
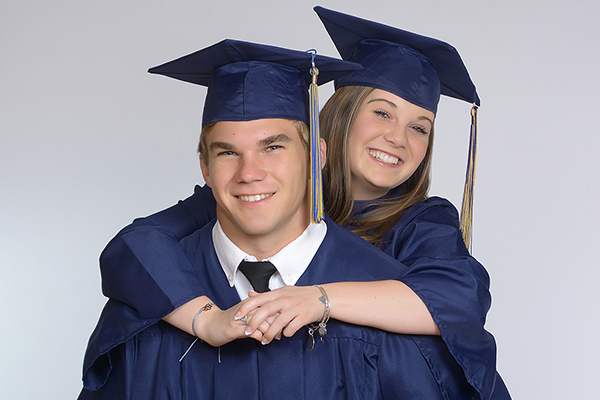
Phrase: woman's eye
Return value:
(420, 129)
(382, 113)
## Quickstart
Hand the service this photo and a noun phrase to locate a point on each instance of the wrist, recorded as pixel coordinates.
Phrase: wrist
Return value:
(324, 299)
(320, 327)
(206, 307)
(202, 310)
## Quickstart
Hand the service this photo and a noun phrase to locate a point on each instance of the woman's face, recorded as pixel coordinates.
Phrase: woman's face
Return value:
(387, 143)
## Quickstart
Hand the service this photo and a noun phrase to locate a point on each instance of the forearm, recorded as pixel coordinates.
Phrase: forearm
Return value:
(387, 305)
(213, 325)
(182, 317)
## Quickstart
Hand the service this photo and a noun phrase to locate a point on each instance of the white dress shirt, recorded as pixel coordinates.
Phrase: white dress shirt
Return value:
(291, 261)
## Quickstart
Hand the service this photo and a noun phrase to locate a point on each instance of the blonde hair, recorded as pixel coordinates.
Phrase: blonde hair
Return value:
(337, 119)
(302, 128)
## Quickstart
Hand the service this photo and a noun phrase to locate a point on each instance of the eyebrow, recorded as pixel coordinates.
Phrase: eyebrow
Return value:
(220, 146)
(392, 104)
(282, 137)
(422, 117)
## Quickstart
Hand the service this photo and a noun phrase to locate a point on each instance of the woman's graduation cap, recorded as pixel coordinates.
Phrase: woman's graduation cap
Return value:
(414, 67)
(248, 81)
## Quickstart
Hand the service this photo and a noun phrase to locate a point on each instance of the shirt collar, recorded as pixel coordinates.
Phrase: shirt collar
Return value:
(291, 261)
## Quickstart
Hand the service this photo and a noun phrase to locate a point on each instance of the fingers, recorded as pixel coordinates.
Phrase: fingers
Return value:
(221, 328)
(258, 333)
(280, 312)
(275, 329)
(252, 303)
(265, 314)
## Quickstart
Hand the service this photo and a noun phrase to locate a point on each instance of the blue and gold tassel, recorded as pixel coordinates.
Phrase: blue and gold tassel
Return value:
(316, 188)
(466, 213)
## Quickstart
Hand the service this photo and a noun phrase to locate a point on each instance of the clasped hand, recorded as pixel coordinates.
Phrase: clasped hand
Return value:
(280, 312)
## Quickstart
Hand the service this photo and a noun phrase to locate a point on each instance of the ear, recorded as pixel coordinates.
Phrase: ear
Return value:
(205, 171)
(323, 153)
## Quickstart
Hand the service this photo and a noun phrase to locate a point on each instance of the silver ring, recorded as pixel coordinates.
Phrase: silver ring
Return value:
(246, 318)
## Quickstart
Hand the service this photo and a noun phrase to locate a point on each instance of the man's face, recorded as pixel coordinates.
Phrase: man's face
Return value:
(258, 172)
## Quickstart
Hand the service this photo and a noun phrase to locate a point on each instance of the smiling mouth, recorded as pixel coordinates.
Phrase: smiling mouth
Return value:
(255, 197)
(384, 158)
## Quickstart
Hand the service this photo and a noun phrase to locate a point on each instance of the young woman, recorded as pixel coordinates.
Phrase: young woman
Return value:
(379, 130)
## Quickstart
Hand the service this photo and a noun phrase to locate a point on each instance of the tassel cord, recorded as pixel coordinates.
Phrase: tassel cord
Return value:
(316, 194)
(466, 215)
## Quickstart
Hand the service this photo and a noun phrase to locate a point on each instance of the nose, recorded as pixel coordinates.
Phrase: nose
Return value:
(250, 169)
(397, 136)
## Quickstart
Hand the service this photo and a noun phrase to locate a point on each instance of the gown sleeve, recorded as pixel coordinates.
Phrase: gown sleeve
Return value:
(453, 285)
(146, 275)
(144, 266)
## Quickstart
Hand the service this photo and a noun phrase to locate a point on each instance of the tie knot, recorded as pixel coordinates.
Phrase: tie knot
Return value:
(258, 273)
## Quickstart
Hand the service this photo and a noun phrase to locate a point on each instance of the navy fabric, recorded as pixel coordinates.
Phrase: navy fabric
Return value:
(417, 241)
(453, 285)
(352, 362)
(414, 67)
(155, 283)
(248, 81)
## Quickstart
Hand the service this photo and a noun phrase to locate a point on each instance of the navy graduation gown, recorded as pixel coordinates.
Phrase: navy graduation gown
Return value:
(453, 285)
(352, 362)
(154, 283)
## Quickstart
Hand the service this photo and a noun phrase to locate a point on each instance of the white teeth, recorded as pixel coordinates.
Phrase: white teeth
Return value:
(255, 197)
(381, 156)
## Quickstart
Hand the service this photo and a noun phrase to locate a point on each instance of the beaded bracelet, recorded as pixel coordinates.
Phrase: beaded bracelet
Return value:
(205, 308)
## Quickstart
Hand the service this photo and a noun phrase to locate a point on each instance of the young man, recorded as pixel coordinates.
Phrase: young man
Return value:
(255, 158)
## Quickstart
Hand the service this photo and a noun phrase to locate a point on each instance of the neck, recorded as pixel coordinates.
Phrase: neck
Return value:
(264, 242)
(266, 247)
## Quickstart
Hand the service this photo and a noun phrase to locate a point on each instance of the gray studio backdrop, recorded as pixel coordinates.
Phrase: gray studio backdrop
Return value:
(90, 141)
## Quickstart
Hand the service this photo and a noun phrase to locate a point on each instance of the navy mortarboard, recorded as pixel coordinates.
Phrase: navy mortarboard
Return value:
(248, 81)
(414, 67)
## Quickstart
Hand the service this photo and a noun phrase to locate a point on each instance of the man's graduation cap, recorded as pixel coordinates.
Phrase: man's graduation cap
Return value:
(248, 81)
(414, 67)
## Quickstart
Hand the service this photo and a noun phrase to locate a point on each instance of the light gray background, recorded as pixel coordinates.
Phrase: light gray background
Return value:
(91, 141)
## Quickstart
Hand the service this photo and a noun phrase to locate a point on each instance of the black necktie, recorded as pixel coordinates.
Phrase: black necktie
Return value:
(258, 273)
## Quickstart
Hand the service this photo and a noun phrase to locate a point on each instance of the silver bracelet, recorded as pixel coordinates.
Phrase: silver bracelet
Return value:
(321, 327)
(324, 299)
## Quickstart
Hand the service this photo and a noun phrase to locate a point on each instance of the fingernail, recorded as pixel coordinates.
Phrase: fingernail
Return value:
(263, 342)
(247, 331)
(237, 316)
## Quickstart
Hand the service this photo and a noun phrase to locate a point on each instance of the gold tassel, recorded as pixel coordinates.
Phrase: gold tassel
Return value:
(466, 213)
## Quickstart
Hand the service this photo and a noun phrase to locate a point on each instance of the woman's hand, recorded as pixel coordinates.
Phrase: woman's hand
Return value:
(284, 310)
(214, 326)
(389, 305)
